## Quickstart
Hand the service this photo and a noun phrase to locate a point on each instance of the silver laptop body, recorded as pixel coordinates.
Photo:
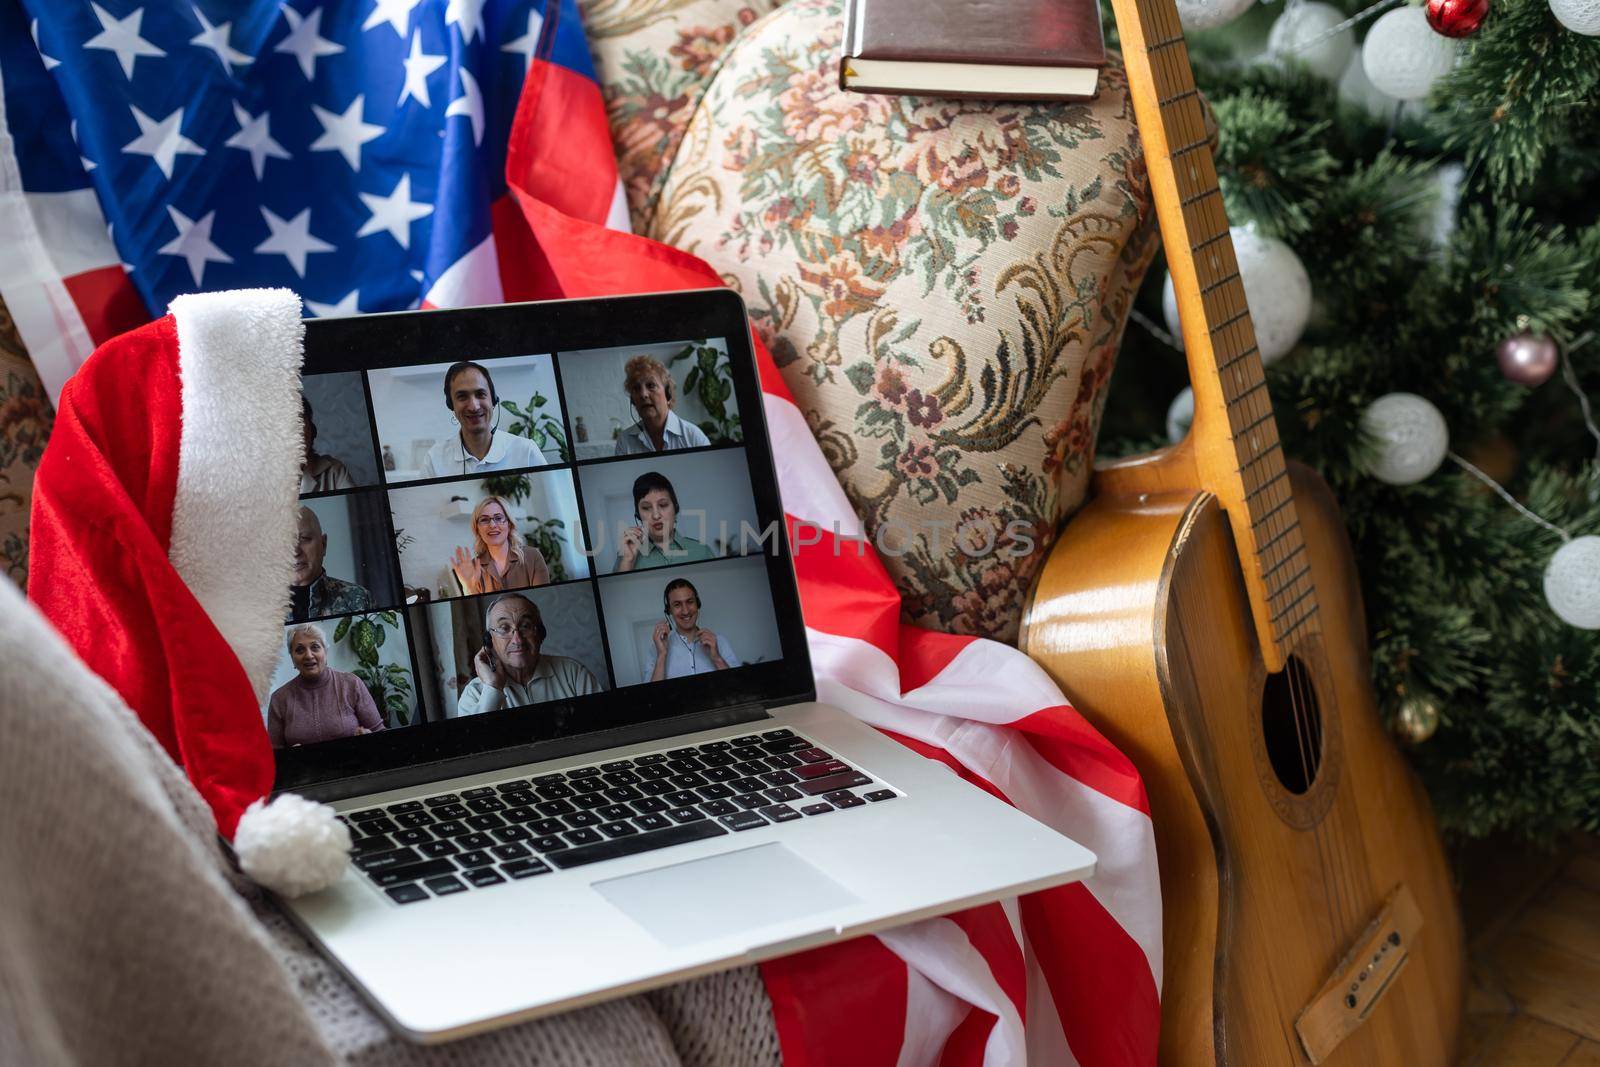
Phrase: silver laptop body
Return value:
(533, 859)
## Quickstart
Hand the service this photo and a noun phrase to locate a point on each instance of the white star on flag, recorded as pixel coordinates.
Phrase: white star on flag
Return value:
(122, 37)
(193, 243)
(216, 39)
(469, 15)
(395, 212)
(528, 43)
(345, 305)
(305, 41)
(292, 239)
(255, 137)
(397, 13)
(418, 66)
(469, 103)
(49, 64)
(161, 141)
(345, 133)
(88, 164)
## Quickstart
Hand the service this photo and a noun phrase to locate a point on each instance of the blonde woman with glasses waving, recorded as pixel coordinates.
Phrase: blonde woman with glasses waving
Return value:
(498, 560)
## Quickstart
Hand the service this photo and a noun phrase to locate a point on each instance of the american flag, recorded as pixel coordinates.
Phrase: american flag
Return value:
(377, 155)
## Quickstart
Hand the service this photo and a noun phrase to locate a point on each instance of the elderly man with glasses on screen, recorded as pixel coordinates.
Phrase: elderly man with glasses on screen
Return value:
(511, 669)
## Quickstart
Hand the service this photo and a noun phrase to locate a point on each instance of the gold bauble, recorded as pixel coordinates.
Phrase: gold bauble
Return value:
(1416, 720)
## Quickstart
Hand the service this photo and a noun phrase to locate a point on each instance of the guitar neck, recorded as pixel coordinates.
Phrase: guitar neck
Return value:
(1234, 437)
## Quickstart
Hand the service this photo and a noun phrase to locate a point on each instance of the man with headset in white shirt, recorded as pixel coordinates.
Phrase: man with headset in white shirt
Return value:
(682, 646)
(470, 395)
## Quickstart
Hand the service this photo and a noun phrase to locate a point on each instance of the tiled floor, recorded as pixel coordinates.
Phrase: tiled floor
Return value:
(1533, 929)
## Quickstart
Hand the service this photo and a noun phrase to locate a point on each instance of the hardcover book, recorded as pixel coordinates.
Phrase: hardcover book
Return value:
(1016, 50)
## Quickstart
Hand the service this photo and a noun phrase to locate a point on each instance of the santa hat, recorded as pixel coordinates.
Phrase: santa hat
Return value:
(163, 544)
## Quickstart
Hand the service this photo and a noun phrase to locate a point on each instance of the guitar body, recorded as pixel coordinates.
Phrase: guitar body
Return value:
(1274, 859)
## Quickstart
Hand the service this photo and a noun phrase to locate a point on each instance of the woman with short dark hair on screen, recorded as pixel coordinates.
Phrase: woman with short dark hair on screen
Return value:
(684, 647)
(499, 559)
(318, 703)
(478, 443)
(655, 540)
(653, 394)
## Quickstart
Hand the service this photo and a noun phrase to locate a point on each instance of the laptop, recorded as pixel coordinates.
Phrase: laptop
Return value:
(545, 656)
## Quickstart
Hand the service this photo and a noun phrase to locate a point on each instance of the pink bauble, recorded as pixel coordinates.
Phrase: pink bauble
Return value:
(1528, 358)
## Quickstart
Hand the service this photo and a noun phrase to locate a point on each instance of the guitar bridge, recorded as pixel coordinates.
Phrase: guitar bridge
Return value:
(1362, 977)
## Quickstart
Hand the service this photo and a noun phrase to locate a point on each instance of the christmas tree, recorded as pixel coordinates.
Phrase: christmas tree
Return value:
(1452, 247)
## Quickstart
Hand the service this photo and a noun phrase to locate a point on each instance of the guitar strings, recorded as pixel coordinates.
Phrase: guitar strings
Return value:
(1175, 70)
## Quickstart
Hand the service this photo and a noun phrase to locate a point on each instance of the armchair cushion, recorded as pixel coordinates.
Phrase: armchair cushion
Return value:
(943, 284)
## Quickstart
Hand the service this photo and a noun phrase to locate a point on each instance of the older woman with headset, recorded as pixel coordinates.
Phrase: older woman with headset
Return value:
(655, 540)
(498, 560)
(652, 392)
(318, 703)
(478, 445)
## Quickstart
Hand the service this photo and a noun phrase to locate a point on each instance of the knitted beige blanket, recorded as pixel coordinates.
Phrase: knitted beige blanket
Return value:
(126, 937)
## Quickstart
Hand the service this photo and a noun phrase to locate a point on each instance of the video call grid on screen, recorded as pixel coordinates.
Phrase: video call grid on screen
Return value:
(615, 544)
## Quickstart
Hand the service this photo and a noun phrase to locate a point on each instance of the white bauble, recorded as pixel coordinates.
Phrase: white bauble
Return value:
(1276, 287)
(1180, 415)
(1403, 55)
(1572, 582)
(1209, 14)
(1302, 23)
(1579, 16)
(1356, 88)
(1408, 437)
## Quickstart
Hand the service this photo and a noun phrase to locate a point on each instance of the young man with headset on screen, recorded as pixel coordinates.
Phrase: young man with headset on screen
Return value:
(470, 395)
(682, 646)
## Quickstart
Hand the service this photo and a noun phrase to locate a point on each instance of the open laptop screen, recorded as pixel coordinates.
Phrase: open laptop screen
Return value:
(527, 523)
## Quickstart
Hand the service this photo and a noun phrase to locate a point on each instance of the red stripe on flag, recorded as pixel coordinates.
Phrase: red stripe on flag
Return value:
(525, 272)
(991, 934)
(844, 589)
(966, 1043)
(1098, 977)
(107, 302)
(924, 653)
(1066, 740)
(562, 107)
(840, 1005)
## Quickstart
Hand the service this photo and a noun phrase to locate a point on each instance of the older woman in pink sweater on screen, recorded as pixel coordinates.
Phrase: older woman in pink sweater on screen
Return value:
(319, 703)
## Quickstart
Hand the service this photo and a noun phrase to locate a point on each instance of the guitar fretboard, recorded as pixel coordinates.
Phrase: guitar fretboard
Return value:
(1235, 437)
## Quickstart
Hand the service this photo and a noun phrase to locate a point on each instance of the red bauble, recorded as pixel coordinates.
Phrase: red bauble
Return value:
(1457, 18)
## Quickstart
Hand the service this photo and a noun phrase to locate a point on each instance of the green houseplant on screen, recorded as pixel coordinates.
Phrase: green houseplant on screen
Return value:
(389, 683)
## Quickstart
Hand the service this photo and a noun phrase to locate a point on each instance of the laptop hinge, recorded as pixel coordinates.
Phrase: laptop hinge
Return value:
(537, 752)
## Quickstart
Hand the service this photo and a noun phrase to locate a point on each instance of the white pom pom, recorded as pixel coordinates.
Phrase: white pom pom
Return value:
(1408, 435)
(292, 845)
(1572, 582)
(1403, 55)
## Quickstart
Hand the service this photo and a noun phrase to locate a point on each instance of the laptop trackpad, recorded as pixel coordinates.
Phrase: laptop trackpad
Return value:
(721, 895)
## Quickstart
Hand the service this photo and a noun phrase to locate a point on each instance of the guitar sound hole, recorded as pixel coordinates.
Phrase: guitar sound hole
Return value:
(1291, 723)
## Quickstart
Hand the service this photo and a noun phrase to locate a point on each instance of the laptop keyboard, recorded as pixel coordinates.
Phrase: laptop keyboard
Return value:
(522, 828)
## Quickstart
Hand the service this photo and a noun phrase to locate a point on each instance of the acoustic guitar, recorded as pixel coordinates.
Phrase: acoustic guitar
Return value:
(1203, 611)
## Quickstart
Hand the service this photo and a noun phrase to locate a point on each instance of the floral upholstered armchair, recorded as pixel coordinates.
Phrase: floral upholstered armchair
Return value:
(943, 283)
